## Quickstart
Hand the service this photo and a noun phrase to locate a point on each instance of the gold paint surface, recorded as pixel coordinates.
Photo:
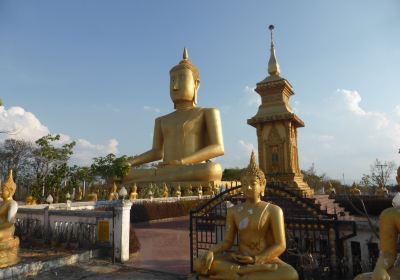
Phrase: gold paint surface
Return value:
(261, 229)
(9, 245)
(104, 231)
(186, 139)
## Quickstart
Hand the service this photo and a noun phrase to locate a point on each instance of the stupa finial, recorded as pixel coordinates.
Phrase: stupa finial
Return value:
(273, 65)
(185, 54)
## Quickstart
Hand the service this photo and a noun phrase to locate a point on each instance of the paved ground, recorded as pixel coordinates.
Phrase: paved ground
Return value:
(164, 246)
(164, 255)
(102, 270)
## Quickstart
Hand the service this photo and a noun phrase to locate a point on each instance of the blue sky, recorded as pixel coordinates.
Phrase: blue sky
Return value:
(97, 71)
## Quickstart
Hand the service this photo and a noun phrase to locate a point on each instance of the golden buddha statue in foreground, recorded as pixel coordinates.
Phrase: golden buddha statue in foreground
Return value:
(113, 195)
(185, 139)
(389, 230)
(9, 244)
(261, 229)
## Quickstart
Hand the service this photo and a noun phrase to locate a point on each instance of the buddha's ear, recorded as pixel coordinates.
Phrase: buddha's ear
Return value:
(196, 89)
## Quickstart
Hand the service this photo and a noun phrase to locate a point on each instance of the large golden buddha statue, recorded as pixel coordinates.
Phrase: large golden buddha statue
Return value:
(389, 230)
(186, 139)
(261, 229)
(9, 244)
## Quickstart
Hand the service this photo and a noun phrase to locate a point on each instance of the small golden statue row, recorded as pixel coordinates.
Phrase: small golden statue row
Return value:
(261, 229)
(9, 244)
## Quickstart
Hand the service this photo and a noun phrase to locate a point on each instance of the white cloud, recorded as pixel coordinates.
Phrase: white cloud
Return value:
(28, 127)
(253, 99)
(23, 123)
(346, 137)
(397, 110)
(151, 109)
(353, 99)
(85, 151)
(247, 148)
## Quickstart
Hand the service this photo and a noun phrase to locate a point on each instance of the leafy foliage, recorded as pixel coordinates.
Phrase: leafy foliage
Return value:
(111, 167)
(232, 174)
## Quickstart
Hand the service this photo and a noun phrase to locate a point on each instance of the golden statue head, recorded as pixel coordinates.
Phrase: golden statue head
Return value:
(8, 187)
(253, 180)
(185, 80)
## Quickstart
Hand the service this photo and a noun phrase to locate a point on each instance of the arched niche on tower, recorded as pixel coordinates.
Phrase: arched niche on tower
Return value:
(274, 150)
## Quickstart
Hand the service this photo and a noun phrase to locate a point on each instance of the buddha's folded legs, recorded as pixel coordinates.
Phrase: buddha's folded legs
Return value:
(283, 271)
(7, 233)
(394, 275)
(223, 267)
(208, 171)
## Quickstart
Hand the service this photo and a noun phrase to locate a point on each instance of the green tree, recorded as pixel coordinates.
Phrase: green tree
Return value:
(50, 165)
(17, 155)
(380, 173)
(314, 180)
(111, 168)
(232, 174)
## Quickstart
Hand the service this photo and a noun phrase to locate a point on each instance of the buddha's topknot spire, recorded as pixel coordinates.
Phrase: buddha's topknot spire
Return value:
(253, 170)
(273, 65)
(185, 54)
(9, 183)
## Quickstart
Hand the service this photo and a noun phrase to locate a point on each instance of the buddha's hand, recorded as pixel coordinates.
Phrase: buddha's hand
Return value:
(243, 259)
(208, 260)
(176, 162)
(380, 274)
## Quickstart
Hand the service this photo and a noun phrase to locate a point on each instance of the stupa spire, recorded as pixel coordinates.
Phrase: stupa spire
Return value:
(273, 65)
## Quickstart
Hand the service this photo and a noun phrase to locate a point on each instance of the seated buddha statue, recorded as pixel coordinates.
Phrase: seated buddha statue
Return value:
(133, 195)
(186, 139)
(165, 191)
(9, 244)
(113, 195)
(389, 230)
(92, 196)
(30, 200)
(355, 190)
(382, 191)
(330, 190)
(261, 230)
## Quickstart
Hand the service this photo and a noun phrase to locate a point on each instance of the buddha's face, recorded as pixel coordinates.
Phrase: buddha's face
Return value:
(183, 87)
(5, 194)
(252, 188)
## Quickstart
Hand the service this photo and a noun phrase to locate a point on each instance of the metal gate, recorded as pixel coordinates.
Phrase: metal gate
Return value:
(313, 237)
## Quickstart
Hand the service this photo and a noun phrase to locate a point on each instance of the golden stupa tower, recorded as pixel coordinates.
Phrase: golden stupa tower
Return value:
(276, 125)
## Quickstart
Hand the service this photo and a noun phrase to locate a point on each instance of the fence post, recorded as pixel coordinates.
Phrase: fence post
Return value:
(46, 223)
(122, 225)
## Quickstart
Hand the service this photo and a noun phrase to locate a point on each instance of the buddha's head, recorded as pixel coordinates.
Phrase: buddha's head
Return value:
(8, 187)
(134, 188)
(253, 181)
(184, 81)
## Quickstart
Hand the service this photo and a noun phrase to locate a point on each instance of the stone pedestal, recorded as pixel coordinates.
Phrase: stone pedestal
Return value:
(122, 223)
